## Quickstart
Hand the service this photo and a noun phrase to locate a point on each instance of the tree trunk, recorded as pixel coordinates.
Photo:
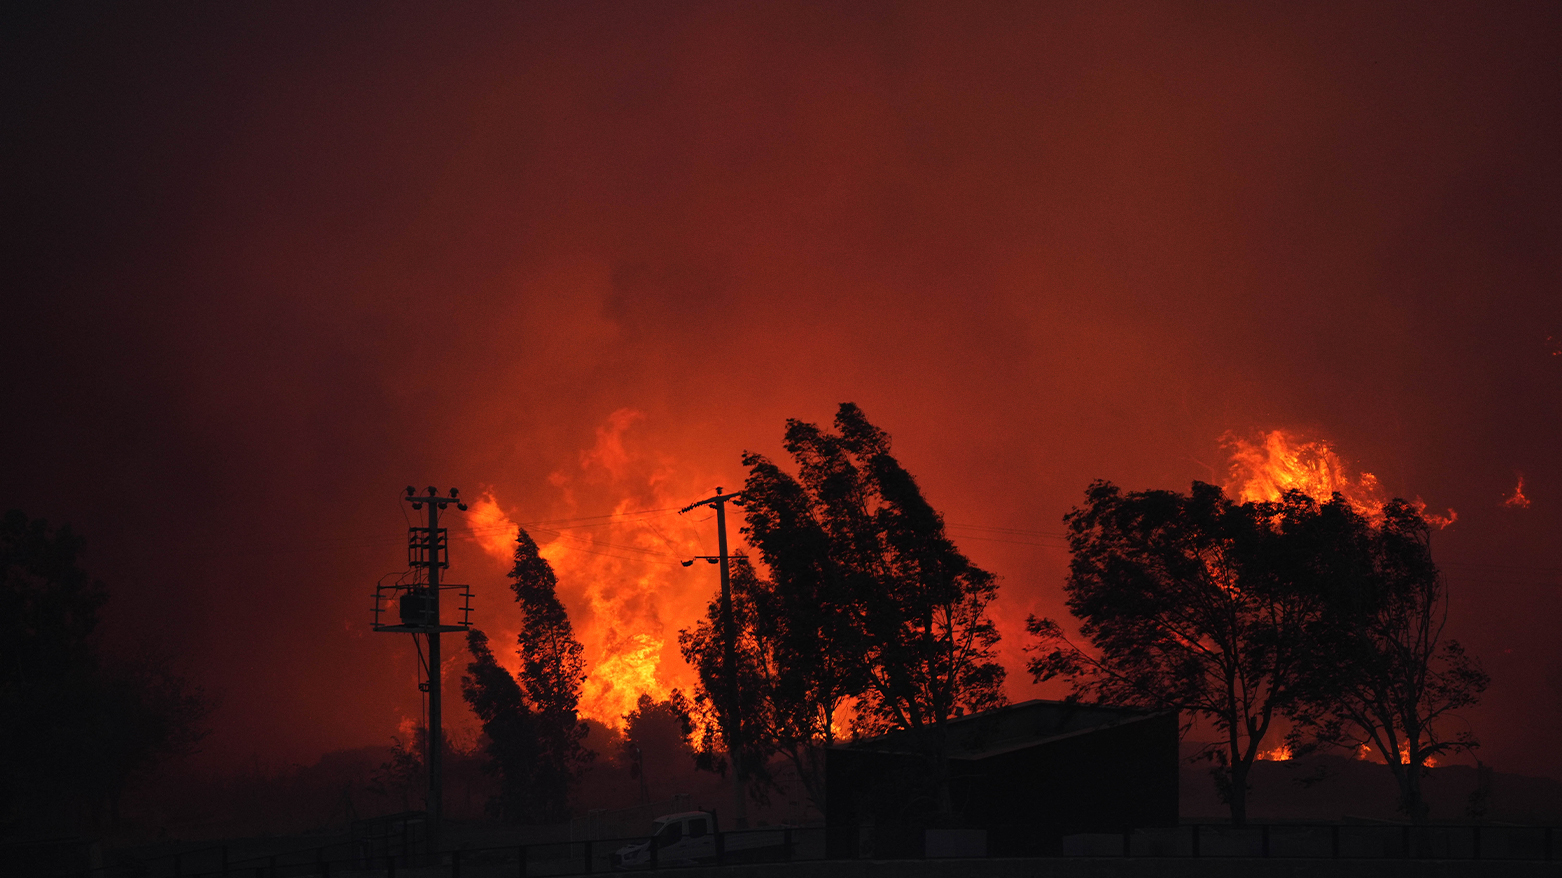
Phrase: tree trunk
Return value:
(940, 767)
(1238, 794)
(1411, 799)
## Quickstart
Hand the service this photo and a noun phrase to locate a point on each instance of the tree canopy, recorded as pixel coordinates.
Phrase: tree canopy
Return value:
(1178, 596)
(532, 733)
(865, 601)
(78, 726)
(1246, 613)
(655, 737)
(1384, 676)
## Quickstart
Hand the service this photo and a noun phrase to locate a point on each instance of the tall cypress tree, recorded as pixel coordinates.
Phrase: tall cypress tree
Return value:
(532, 730)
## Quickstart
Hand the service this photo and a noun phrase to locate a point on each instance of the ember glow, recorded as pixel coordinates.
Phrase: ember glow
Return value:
(1517, 500)
(1369, 753)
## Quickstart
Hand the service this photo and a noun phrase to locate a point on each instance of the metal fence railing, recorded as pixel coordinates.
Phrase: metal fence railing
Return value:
(353, 857)
(356, 857)
(1324, 841)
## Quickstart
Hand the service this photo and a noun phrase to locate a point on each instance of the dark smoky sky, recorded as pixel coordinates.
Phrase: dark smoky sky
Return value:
(267, 264)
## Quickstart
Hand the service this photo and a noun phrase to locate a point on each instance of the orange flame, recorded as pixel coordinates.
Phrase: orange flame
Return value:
(1280, 461)
(490, 527)
(1277, 753)
(618, 577)
(1518, 500)
(1366, 753)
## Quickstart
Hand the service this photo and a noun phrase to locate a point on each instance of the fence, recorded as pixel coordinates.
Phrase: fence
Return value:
(1324, 841)
(1289, 840)
(521, 861)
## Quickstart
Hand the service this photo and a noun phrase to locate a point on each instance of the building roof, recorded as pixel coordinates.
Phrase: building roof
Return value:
(1027, 724)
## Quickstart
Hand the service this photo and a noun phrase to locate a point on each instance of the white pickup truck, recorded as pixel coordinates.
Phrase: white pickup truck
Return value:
(689, 837)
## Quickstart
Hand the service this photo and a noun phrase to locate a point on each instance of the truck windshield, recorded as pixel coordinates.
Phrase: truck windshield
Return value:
(669, 833)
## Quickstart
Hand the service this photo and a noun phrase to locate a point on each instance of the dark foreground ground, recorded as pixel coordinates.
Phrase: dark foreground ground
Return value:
(1075, 868)
(302, 818)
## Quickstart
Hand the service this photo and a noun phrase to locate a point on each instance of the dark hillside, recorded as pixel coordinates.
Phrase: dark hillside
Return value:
(1335, 787)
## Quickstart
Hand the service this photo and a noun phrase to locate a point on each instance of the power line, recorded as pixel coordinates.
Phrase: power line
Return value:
(1501, 573)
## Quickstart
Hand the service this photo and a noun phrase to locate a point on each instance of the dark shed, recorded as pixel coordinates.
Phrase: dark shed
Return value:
(1026, 775)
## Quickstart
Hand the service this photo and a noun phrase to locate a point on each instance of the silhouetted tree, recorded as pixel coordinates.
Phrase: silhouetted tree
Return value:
(783, 708)
(918, 604)
(655, 741)
(867, 601)
(402, 775)
(1190, 602)
(77, 728)
(1385, 675)
(710, 726)
(511, 738)
(144, 713)
(533, 733)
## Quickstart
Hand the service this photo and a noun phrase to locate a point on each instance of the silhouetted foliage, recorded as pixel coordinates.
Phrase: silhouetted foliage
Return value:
(867, 602)
(710, 727)
(532, 731)
(402, 775)
(1384, 675)
(402, 778)
(77, 729)
(1242, 613)
(655, 739)
(145, 713)
(1190, 602)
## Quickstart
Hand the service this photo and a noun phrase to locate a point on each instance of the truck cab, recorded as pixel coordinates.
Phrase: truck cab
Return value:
(680, 839)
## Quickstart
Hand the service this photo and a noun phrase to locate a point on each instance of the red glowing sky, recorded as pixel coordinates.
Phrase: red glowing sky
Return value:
(267, 267)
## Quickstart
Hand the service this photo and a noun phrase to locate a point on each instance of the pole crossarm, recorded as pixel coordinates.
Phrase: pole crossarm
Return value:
(433, 498)
(712, 559)
(736, 497)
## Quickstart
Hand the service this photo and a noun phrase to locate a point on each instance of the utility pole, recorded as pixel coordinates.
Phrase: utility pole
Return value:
(428, 549)
(729, 660)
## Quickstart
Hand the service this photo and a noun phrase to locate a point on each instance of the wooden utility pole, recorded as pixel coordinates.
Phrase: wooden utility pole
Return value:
(437, 559)
(729, 659)
(428, 550)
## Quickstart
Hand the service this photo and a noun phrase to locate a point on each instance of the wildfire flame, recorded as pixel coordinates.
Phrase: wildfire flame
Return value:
(490, 527)
(618, 577)
(1277, 753)
(1518, 500)
(1279, 461)
(1367, 753)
